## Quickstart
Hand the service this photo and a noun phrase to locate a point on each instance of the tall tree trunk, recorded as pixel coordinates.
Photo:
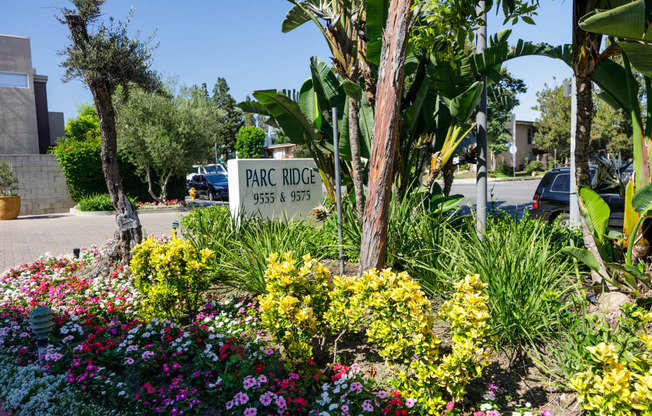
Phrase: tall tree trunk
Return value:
(354, 139)
(584, 120)
(373, 249)
(449, 174)
(586, 56)
(129, 231)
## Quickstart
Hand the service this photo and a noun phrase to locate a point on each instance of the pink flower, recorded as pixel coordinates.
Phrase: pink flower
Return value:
(294, 376)
(493, 413)
(367, 407)
(251, 411)
(478, 414)
(381, 394)
(356, 386)
(410, 403)
(241, 398)
(265, 399)
(450, 405)
(269, 351)
(229, 404)
(546, 412)
(129, 360)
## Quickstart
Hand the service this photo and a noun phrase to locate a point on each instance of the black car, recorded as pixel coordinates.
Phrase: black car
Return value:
(552, 199)
(214, 186)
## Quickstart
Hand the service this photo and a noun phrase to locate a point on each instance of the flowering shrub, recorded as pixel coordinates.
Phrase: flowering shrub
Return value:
(350, 394)
(302, 303)
(53, 282)
(489, 407)
(154, 204)
(618, 380)
(171, 275)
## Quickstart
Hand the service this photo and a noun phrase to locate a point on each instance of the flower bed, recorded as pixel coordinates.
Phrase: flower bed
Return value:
(100, 346)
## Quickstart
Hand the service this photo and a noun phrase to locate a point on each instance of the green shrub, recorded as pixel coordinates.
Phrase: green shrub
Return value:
(529, 279)
(82, 166)
(98, 202)
(534, 166)
(171, 275)
(303, 305)
(8, 179)
(503, 169)
(249, 142)
(242, 245)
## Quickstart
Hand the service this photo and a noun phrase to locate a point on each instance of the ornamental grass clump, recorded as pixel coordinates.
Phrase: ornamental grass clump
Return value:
(171, 276)
(618, 378)
(303, 305)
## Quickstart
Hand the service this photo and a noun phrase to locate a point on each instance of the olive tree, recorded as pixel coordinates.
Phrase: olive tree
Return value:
(105, 59)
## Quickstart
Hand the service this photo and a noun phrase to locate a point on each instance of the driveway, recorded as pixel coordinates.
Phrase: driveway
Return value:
(25, 239)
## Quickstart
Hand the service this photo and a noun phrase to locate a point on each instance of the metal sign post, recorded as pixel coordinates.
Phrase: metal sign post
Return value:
(338, 188)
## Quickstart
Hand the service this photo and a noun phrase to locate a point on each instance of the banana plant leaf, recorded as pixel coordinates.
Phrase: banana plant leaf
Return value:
(297, 16)
(462, 106)
(308, 103)
(630, 216)
(642, 200)
(626, 21)
(366, 121)
(376, 18)
(595, 211)
(583, 255)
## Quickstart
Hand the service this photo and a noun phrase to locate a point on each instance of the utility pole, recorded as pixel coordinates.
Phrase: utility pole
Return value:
(481, 120)
(570, 88)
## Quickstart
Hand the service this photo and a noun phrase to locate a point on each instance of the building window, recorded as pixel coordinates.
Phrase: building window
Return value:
(13, 79)
(530, 134)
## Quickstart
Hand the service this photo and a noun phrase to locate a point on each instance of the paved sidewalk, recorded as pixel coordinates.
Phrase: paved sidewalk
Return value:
(25, 239)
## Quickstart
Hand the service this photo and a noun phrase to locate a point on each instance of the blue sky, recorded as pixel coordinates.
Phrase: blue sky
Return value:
(241, 41)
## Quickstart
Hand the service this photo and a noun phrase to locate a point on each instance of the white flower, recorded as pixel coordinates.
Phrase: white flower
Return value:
(527, 404)
(485, 406)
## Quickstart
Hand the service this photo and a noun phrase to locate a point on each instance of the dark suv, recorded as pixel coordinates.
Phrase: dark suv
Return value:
(551, 199)
(212, 185)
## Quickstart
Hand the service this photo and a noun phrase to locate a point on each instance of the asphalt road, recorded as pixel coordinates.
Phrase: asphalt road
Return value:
(511, 196)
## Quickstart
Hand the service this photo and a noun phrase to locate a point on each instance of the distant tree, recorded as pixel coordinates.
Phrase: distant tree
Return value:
(249, 120)
(552, 130)
(232, 121)
(105, 60)
(86, 126)
(164, 135)
(610, 131)
(501, 101)
(249, 142)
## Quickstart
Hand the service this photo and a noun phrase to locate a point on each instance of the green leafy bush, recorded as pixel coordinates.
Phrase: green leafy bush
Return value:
(8, 179)
(242, 245)
(249, 142)
(98, 202)
(82, 166)
(303, 305)
(171, 275)
(529, 279)
(503, 169)
(534, 166)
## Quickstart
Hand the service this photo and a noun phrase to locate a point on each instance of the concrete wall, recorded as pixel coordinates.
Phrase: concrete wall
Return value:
(18, 127)
(41, 184)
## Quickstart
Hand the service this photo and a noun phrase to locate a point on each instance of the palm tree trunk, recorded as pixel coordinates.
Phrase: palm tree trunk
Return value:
(373, 248)
(584, 120)
(354, 139)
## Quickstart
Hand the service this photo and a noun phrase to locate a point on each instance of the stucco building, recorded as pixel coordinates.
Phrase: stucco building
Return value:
(26, 125)
(524, 147)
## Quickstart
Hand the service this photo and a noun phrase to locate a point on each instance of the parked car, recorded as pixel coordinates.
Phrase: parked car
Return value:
(213, 186)
(204, 169)
(552, 199)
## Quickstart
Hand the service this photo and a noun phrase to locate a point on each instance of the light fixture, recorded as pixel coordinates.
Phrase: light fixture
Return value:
(41, 322)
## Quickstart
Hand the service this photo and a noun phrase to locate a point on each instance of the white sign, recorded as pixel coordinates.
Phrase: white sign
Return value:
(273, 188)
(512, 150)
